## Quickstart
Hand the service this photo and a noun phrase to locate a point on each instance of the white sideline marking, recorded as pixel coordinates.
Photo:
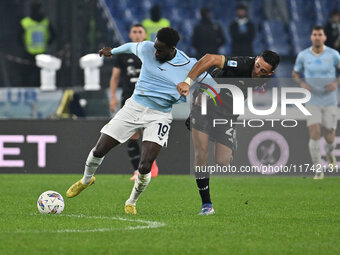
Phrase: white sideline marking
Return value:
(149, 225)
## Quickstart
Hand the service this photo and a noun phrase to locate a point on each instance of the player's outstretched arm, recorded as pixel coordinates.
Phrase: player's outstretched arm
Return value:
(207, 61)
(125, 48)
(200, 67)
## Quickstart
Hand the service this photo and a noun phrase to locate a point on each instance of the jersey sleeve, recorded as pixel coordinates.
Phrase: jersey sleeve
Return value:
(125, 48)
(298, 66)
(236, 64)
(144, 49)
(336, 59)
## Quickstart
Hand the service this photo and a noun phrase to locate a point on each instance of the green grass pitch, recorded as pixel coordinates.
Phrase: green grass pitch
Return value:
(254, 215)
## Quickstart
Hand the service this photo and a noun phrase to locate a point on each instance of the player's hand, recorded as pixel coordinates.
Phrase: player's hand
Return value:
(113, 103)
(183, 88)
(106, 51)
(331, 86)
(304, 85)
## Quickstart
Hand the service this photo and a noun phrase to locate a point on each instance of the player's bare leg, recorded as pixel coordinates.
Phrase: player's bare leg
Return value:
(223, 154)
(314, 149)
(329, 135)
(150, 151)
(134, 153)
(201, 143)
(94, 159)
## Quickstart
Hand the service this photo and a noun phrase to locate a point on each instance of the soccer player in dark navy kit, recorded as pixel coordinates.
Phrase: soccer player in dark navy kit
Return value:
(126, 70)
(222, 135)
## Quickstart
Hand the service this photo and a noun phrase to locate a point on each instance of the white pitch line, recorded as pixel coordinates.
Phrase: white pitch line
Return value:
(149, 225)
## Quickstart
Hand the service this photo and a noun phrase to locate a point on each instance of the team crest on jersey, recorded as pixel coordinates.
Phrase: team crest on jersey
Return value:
(232, 63)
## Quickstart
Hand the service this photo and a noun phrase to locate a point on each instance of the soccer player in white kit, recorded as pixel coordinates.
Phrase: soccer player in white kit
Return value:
(149, 109)
(319, 64)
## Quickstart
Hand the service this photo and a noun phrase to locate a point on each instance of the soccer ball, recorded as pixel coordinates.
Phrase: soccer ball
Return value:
(50, 202)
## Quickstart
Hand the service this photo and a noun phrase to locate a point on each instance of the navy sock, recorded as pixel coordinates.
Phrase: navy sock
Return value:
(134, 153)
(203, 188)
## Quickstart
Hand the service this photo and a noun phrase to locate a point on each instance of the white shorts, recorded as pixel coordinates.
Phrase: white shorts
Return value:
(133, 117)
(324, 115)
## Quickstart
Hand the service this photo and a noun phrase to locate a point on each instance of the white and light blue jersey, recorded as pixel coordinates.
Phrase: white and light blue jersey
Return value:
(156, 86)
(318, 71)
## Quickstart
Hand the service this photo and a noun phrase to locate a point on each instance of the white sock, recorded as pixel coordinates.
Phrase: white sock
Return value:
(92, 163)
(314, 149)
(141, 182)
(329, 147)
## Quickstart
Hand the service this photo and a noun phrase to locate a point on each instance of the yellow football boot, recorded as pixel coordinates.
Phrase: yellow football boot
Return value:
(130, 209)
(78, 187)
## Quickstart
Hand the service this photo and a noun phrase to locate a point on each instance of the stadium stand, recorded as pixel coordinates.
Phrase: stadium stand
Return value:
(274, 35)
(127, 12)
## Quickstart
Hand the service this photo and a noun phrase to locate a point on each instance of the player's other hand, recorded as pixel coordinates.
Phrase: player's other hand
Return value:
(304, 85)
(183, 88)
(331, 86)
(113, 103)
(106, 51)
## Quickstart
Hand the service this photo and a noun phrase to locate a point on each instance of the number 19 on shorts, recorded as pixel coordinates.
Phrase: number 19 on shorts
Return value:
(163, 128)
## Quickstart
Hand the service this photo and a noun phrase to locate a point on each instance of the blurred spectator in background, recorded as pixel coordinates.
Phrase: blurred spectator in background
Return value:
(276, 10)
(332, 30)
(36, 33)
(126, 70)
(154, 23)
(242, 32)
(208, 36)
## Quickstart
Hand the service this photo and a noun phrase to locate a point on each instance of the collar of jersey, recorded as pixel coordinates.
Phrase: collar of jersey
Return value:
(180, 59)
(318, 54)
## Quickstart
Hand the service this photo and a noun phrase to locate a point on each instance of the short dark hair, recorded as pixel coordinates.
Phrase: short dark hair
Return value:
(317, 27)
(138, 25)
(271, 57)
(241, 6)
(334, 12)
(168, 35)
(205, 13)
(155, 9)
